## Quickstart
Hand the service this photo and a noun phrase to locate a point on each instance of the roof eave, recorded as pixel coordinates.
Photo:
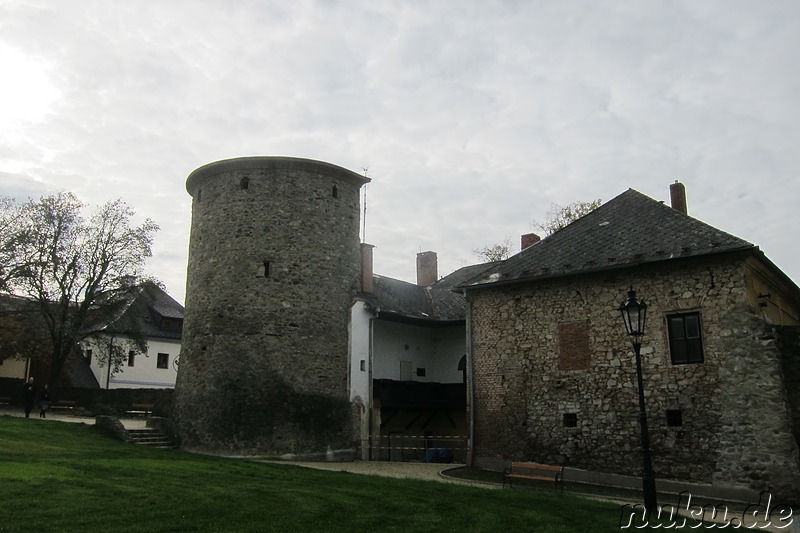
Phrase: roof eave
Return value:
(624, 266)
(394, 316)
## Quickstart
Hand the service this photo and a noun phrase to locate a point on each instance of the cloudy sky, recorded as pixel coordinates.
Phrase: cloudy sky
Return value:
(471, 117)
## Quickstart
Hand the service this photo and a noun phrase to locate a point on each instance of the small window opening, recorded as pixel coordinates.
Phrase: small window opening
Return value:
(570, 420)
(335, 192)
(89, 356)
(421, 372)
(244, 183)
(131, 358)
(267, 267)
(199, 194)
(363, 365)
(162, 360)
(674, 417)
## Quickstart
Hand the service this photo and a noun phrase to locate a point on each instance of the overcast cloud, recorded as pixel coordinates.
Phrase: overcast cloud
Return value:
(471, 117)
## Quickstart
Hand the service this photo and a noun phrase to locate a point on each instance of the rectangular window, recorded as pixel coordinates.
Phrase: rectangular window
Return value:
(685, 341)
(88, 356)
(131, 358)
(570, 420)
(163, 360)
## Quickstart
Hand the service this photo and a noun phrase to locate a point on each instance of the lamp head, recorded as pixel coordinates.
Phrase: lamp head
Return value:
(634, 313)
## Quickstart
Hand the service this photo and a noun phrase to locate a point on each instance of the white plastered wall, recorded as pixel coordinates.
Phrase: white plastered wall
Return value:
(436, 350)
(360, 317)
(13, 368)
(144, 374)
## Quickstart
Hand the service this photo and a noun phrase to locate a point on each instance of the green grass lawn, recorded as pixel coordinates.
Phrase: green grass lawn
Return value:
(63, 477)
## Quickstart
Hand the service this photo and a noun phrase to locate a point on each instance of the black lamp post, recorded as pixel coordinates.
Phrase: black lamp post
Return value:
(634, 313)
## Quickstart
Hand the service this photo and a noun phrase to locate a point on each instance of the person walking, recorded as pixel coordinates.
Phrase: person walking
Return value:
(28, 396)
(44, 401)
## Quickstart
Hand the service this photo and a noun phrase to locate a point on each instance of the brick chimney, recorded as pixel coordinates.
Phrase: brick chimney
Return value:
(677, 197)
(427, 268)
(528, 240)
(366, 267)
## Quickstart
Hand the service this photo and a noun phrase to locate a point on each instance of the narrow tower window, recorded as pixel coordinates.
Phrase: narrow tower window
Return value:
(266, 270)
(335, 192)
(244, 183)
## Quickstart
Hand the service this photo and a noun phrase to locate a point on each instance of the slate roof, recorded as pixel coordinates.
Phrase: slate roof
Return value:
(629, 230)
(155, 313)
(436, 303)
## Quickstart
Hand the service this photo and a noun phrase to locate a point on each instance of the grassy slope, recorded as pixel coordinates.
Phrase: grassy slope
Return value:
(57, 476)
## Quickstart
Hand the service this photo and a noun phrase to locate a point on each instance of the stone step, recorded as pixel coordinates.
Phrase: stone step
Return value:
(151, 437)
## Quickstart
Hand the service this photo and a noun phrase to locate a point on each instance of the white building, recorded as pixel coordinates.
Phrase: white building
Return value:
(407, 361)
(160, 318)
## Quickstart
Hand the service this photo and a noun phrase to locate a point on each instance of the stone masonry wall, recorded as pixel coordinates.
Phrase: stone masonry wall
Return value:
(757, 442)
(273, 266)
(789, 347)
(529, 390)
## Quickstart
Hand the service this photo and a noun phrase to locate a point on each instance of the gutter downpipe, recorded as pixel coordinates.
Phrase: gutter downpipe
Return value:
(370, 400)
(470, 384)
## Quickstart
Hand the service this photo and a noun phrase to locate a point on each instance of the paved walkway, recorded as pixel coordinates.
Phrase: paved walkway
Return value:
(425, 471)
(67, 415)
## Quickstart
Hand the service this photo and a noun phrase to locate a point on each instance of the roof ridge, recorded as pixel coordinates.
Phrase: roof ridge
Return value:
(609, 237)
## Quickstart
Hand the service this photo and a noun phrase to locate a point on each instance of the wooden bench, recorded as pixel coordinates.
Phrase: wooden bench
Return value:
(64, 404)
(141, 408)
(536, 472)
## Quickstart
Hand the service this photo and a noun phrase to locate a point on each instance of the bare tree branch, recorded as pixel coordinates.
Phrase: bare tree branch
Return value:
(77, 270)
(561, 216)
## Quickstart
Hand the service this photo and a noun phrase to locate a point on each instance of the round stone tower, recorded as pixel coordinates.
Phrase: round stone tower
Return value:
(274, 263)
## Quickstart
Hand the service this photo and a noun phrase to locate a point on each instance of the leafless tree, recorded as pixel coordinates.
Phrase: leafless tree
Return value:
(496, 252)
(561, 216)
(12, 236)
(78, 271)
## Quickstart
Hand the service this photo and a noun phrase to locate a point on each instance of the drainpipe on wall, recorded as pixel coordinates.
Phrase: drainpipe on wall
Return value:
(370, 399)
(470, 384)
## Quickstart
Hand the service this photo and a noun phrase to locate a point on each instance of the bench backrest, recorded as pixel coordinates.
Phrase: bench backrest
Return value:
(536, 466)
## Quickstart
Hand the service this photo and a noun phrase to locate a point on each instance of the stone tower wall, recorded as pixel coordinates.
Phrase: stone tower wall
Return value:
(274, 263)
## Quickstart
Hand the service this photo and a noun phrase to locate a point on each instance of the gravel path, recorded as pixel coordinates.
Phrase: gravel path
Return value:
(67, 415)
(426, 471)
